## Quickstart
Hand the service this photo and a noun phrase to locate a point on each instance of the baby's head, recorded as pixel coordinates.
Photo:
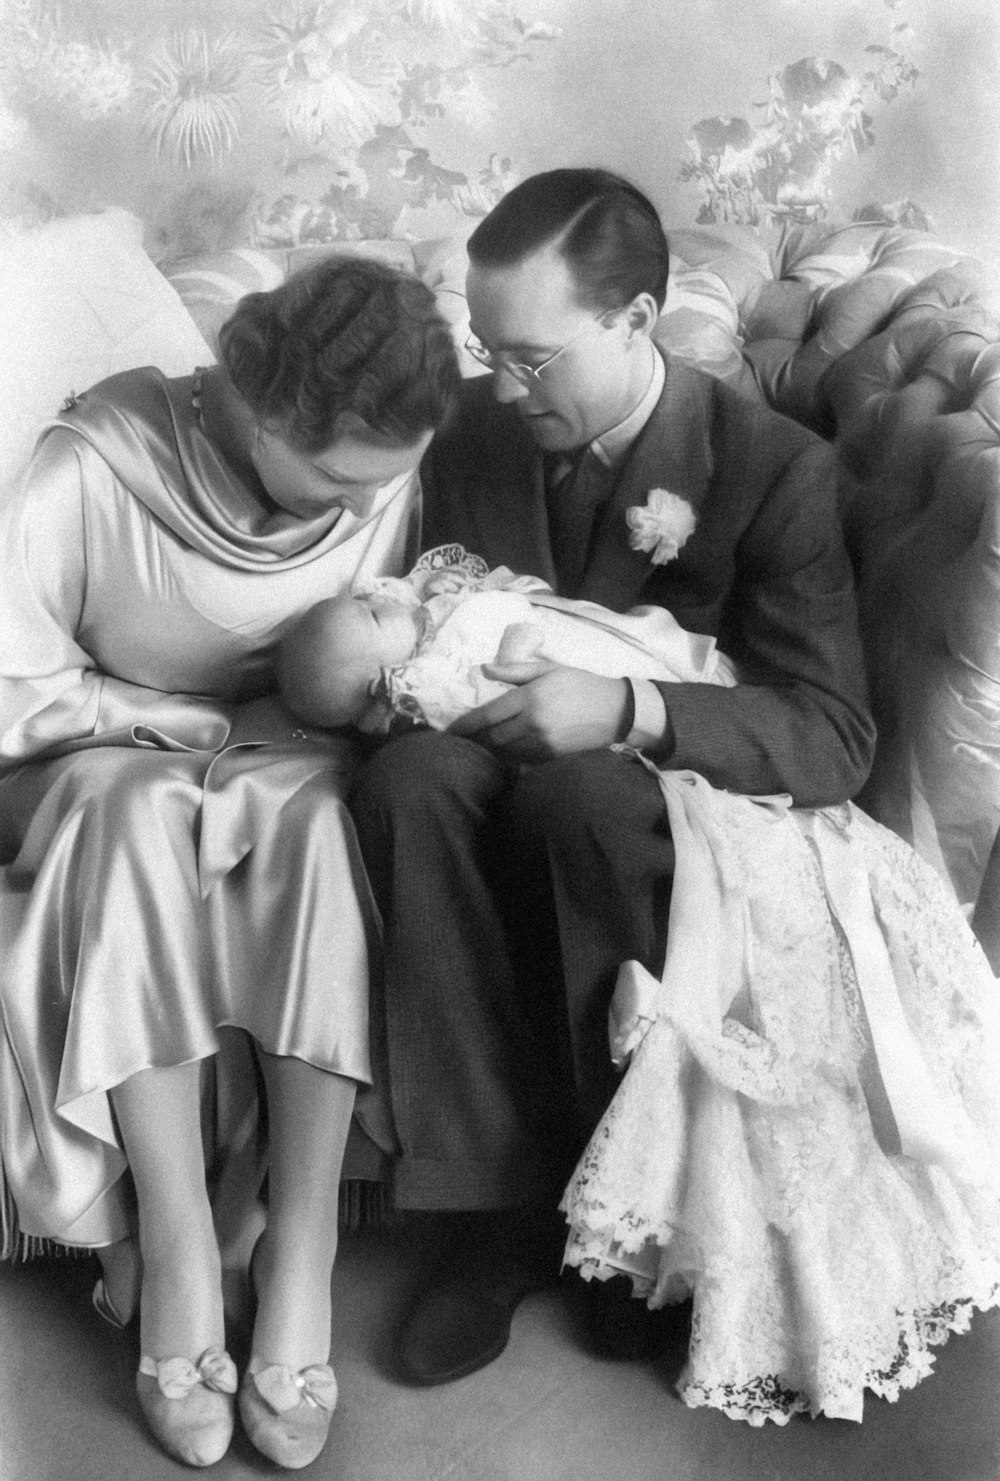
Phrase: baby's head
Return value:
(327, 662)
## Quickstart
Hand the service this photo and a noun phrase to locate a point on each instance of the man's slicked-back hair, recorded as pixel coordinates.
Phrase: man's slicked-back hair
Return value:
(609, 234)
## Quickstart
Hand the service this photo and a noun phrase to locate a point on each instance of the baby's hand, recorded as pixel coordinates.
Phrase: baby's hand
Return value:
(446, 583)
(520, 643)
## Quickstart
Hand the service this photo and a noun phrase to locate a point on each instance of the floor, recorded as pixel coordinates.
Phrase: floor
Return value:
(545, 1411)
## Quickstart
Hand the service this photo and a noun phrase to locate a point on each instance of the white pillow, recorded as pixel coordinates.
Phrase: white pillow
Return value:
(79, 300)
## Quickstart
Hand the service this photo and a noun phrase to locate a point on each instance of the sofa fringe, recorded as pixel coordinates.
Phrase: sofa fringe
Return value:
(10, 1238)
(15, 1246)
(365, 1205)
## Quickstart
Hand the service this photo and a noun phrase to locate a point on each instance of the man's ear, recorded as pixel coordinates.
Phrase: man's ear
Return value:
(641, 315)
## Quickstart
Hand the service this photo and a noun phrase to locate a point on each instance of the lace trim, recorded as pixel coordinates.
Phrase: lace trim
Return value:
(762, 1171)
(765, 1397)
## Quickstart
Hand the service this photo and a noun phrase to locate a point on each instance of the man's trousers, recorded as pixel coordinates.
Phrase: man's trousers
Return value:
(510, 897)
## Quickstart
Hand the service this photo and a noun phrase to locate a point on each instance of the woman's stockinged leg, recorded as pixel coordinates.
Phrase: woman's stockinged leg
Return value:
(186, 1380)
(289, 1391)
(158, 1113)
(309, 1115)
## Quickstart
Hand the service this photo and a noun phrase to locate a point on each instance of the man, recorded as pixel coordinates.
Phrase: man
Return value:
(517, 860)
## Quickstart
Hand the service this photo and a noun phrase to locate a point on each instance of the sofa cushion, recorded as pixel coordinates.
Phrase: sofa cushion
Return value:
(951, 698)
(212, 283)
(699, 323)
(858, 279)
(81, 301)
(888, 341)
(916, 409)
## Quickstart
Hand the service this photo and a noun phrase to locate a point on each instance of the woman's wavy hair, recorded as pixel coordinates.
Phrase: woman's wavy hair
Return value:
(604, 228)
(344, 342)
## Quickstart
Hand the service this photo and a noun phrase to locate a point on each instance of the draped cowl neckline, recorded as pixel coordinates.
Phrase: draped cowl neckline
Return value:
(145, 428)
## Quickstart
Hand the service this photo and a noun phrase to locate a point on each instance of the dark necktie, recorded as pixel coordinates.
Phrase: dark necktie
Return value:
(576, 492)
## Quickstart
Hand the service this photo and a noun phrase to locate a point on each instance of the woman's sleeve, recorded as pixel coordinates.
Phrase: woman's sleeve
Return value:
(53, 698)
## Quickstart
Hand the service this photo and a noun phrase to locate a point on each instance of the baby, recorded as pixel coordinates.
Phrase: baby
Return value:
(416, 646)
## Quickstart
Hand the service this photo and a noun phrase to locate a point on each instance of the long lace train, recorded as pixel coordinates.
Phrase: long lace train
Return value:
(807, 1136)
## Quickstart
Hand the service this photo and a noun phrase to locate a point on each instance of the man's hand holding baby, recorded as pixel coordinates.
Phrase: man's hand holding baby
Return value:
(551, 711)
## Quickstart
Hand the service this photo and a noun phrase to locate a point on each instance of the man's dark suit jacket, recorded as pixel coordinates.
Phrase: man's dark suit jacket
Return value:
(765, 572)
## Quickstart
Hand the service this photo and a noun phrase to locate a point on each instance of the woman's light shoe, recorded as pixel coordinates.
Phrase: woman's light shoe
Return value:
(287, 1415)
(189, 1406)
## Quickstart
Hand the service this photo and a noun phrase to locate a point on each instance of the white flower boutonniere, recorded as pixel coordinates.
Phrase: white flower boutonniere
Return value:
(661, 525)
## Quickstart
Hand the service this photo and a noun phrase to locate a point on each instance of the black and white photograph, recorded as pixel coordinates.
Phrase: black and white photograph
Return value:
(500, 740)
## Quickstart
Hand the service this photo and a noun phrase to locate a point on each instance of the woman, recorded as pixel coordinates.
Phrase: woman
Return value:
(167, 876)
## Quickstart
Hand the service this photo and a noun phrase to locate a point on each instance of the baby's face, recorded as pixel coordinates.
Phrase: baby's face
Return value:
(387, 629)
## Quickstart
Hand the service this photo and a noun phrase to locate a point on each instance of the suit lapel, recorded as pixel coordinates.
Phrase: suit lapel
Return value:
(673, 451)
(513, 516)
(533, 536)
(484, 487)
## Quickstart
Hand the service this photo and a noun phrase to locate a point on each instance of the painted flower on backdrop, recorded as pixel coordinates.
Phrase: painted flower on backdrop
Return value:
(661, 526)
(446, 14)
(324, 75)
(349, 102)
(192, 83)
(817, 100)
(41, 67)
(13, 131)
(335, 107)
(779, 164)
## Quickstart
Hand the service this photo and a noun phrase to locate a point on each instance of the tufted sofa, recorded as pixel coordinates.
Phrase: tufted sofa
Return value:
(887, 342)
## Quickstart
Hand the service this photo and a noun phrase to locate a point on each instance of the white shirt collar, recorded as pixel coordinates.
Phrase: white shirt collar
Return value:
(612, 445)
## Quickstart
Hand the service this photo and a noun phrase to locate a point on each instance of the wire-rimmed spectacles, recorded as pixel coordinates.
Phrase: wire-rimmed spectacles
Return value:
(525, 375)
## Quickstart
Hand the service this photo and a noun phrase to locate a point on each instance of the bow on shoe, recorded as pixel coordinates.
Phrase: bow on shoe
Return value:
(176, 1377)
(281, 1389)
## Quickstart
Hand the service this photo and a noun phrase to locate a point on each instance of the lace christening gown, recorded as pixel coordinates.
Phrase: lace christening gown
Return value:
(806, 1139)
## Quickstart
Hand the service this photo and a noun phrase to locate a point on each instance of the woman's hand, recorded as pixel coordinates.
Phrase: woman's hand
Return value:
(552, 711)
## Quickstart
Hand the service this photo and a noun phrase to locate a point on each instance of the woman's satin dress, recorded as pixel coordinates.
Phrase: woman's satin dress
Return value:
(176, 853)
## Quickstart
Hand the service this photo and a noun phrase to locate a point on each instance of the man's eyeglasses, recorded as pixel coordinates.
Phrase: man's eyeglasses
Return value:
(526, 375)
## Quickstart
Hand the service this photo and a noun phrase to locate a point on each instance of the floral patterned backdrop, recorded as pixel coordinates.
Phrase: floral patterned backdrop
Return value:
(779, 164)
(284, 121)
(288, 121)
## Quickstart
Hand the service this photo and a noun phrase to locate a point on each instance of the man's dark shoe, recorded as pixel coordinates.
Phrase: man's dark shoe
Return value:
(462, 1320)
(621, 1327)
